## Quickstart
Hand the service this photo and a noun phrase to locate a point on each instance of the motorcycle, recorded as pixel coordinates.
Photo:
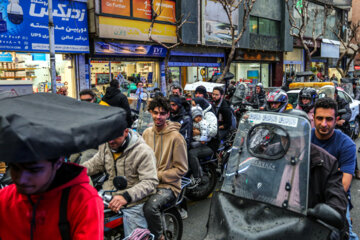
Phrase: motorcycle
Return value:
(209, 167)
(265, 190)
(170, 217)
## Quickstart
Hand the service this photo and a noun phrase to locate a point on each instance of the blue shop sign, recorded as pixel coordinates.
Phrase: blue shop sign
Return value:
(24, 26)
(130, 49)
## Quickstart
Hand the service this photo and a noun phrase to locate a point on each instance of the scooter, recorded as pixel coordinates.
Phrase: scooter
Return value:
(170, 217)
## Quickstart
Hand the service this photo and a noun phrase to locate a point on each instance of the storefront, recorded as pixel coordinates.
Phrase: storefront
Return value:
(258, 67)
(189, 65)
(294, 61)
(128, 63)
(25, 45)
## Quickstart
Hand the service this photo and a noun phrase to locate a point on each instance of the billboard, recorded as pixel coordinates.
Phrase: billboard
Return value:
(216, 26)
(140, 9)
(24, 26)
(119, 28)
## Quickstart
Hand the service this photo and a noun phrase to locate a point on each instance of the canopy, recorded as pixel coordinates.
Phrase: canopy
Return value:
(208, 85)
(45, 126)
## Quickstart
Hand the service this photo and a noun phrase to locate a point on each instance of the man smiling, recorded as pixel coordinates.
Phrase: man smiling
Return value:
(336, 143)
(171, 161)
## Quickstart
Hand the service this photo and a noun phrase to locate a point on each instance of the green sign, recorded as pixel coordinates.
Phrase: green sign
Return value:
(299, 5)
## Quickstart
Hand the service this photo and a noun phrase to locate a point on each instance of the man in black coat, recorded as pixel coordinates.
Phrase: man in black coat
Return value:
(222, 111)
(181, 115)
(115, 98)
(344, 122)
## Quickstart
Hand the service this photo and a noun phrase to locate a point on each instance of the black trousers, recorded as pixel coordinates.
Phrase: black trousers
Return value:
(194, 155)
(152, 209)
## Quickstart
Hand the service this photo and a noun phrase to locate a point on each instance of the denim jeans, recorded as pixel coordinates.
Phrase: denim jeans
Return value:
(134, 218)
(353, 235)
(152, 209)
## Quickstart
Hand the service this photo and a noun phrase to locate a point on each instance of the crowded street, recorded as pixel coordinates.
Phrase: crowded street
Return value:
(179, 119)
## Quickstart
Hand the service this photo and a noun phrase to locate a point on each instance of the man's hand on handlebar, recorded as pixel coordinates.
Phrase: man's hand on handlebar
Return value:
(117, 202)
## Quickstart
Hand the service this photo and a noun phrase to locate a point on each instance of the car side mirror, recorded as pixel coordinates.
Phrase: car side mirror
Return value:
(120, 183)
(326, 214)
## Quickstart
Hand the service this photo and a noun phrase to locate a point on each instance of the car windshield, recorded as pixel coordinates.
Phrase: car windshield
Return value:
(269, 161)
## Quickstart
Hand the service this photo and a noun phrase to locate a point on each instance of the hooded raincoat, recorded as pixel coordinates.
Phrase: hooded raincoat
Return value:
(85, 209)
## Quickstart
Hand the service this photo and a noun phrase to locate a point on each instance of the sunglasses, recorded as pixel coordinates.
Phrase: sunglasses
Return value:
(86, 100)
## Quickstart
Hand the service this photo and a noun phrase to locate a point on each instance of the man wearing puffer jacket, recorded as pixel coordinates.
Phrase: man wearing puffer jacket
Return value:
(131, 157)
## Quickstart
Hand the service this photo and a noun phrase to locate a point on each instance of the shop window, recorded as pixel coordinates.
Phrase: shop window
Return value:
(253, 24)
(128, 73)
(263, 26)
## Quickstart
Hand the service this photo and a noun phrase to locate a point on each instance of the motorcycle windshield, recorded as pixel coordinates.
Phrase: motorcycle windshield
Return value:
(348, 88)
(327, 91)
(241, 92)
(269, 161)
(145, 119)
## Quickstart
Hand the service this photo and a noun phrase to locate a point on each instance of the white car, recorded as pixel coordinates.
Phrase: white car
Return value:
(293, 96)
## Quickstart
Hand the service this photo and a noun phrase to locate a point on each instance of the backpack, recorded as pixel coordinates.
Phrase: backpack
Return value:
(64, 225)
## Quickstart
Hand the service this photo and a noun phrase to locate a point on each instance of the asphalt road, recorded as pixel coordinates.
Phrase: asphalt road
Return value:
(195, 224)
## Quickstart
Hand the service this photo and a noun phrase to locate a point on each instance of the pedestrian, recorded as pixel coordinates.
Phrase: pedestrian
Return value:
(176, 90)
(336, 143)
(171, 161)
(115, 98)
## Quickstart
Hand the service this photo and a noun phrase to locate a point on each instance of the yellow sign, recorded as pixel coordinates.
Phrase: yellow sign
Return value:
(118, 28)
(298, 85)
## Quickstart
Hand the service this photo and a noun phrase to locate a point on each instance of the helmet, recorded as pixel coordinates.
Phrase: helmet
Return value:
(260, 86)
(308, 93)
(277, 96)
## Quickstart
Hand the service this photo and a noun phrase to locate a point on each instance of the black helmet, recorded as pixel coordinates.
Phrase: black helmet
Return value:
(274, 96)
(308, 93)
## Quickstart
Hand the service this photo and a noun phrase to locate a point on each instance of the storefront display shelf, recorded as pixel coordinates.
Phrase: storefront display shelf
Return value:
(16, 69)
(17, 77)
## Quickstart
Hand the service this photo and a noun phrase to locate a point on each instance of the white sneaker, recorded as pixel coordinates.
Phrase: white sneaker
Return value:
(183, 213)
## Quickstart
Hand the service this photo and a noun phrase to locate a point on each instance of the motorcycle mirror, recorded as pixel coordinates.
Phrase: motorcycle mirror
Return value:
(120, 182)
(267, 141)
(342, 111)
(326, 214)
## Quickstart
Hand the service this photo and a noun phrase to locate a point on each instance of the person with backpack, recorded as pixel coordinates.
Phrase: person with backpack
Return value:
(50, 198)
(223, 112)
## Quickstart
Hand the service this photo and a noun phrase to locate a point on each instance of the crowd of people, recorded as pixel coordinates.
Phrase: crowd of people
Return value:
(183, 132)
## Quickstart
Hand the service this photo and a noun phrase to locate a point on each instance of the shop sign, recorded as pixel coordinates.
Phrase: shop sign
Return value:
(256, 56)
(140, 9)
(130, 49)
(308, 42)
(26, 28)
(117, 28)
(5, 57)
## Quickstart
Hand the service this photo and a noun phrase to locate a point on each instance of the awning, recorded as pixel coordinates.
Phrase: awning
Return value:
(330, 48)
